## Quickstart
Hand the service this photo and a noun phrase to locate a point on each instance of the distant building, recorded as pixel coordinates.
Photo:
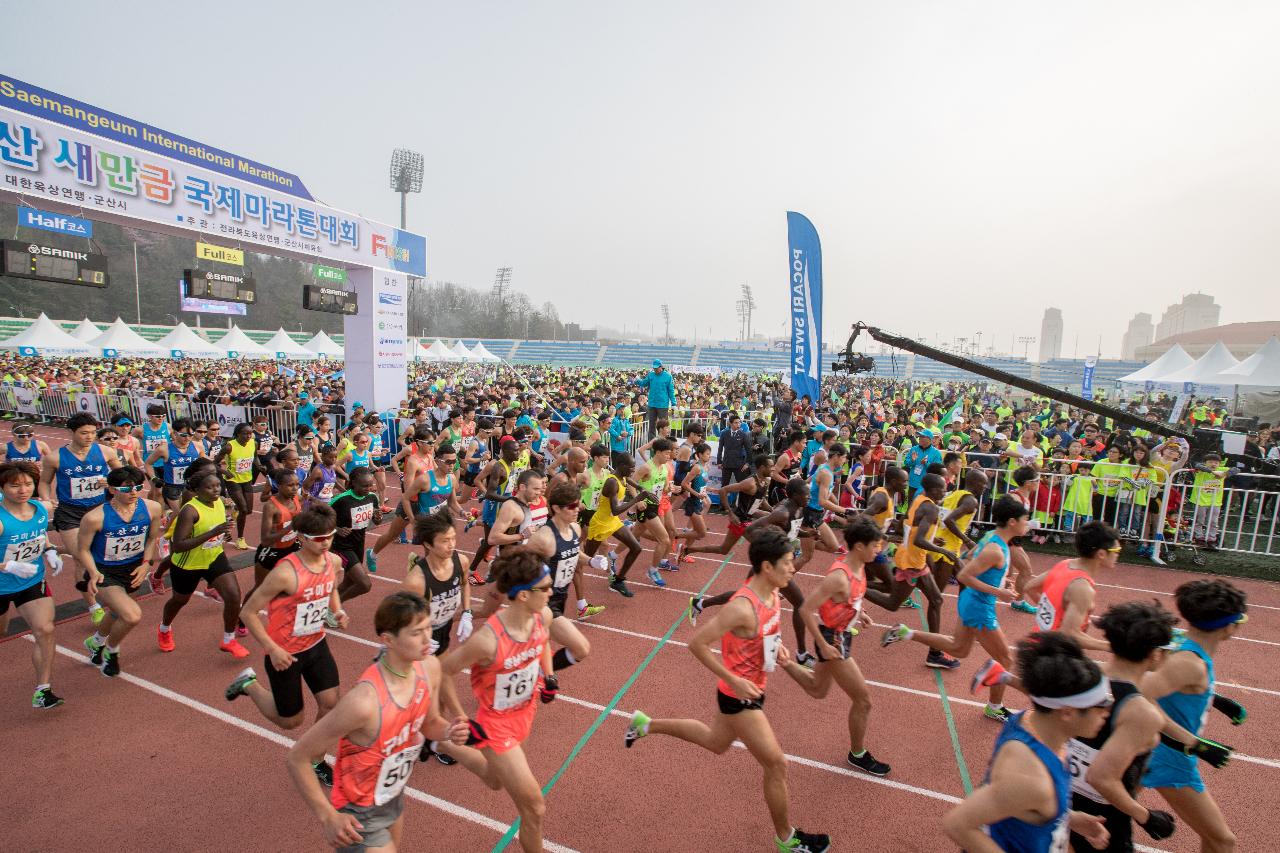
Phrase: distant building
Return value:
(1196, 311)
(1051, 335)
(1243, 339)
(1139, 334)
(574, 332)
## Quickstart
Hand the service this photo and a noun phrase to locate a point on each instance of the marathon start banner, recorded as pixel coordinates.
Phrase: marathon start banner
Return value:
(804, 287)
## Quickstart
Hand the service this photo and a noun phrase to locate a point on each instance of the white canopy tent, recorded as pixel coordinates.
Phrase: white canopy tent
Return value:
(191, 344)
(324, 346)
(238, 342)
(281, 343)
(48, 339)
(1260, 370)
(1175, 358)
(461, 353)
(85, 331)
(436, 352)
(1207, 369)
(126, 342)
(483, 354)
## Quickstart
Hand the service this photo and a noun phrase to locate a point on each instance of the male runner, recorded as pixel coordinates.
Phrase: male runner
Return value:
(495, 482)
(607, 521)
(751, 500)
(358, 509)
(153, 433)
(750, 635)
(25, 447)
(822, 500)
(172, 458)
(881, 507)
(429, 489)
(953, 535)
(654, 477)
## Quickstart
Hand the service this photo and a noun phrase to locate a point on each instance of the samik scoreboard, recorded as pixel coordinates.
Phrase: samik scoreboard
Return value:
(317, 297)
(51, 263)
(220, 286)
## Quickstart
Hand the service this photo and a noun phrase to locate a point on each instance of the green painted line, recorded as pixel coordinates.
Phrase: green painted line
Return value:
(514, 829)
(961, 764)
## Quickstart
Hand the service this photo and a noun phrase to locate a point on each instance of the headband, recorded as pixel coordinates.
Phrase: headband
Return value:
(1220, 622)
(525, 587)
(1097, 695)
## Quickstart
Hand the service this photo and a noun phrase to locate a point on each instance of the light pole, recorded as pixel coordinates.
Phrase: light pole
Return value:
(666, 323)
(406, 177)
(1026, 341)
(749, 306)
(501, 284)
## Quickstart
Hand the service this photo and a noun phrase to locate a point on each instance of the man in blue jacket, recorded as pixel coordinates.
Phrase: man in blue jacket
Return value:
(662, 394)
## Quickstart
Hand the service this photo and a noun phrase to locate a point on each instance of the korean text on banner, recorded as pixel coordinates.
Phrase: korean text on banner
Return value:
(229, 417)
(1086, 384)
(804, 293)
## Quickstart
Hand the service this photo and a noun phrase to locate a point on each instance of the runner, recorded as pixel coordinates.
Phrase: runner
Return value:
(438, 575)
(822, 505)
(495, 483)
(429, 489)
(277, 537)
(475, 452)
(558, 542)
(357, 510)
(174, 456)
(653, 478)
(1067, 591)
(199, 532)
(607, 521)
(516, 520)
(153, 433)
(693, 485)
(323, 480)
(266, 444)
(1026, 485)
(833, 613)
(117, 548)
(24, 532)
(881, 507)
(236, 464)
(1024, 804)
(750, 635)
(378, 728)
(1183, 686)
(961, 505)
(508, 657)
(751, 501)
(982, 583)
(25, 447)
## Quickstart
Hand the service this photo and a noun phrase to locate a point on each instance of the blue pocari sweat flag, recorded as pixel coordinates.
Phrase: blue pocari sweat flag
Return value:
(1086, 384)
(804, 294)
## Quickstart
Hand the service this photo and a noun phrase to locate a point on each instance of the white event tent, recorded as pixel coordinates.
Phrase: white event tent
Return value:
(238, 342)
(461, 353)
(436, 352)
(48, 339)
(480, 352)
(1206, 370)
(324, 346)
(126, 342)
(85, 331)
(190, 344)
(281, 343)
(1260, 370)
(1175, 358)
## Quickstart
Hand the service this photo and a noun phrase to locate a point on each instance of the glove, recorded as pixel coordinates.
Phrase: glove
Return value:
(476, 733)
(549, 690)
(1234, 710)
(53, 560)
(464, 626)
(1158, 825)
(21, 570)
(599, 563)
(1209, 751)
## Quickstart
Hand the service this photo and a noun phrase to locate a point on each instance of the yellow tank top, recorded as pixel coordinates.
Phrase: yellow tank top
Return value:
(604, 510)
(946, 538)
(909, 556)
(883, 518)
(202, 556)
(240, 460)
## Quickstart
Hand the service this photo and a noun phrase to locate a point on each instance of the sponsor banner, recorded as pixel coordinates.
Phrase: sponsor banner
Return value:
(88, 403)
(334, 274)
(228, 417)
(26, 401)
(702, 370)
(209, 252)
(377, 344)
(1086, 384)
(29, 217)
(804, 294)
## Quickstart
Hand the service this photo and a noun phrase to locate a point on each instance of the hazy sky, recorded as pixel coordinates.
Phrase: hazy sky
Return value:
(966, 164)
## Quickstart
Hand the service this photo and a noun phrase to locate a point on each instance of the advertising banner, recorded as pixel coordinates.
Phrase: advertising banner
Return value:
(228, 417)
(26, 401)
(1086, 384)
(804, 297)
(376, 341)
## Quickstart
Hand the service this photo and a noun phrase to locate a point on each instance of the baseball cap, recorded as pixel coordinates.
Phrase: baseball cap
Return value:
(1001, 437)
(302, 395)
(357, 405)
(657, 363)
(926, 433)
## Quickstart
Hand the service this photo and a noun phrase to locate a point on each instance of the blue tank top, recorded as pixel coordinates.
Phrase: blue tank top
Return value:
(1189, 710)
(24, 541)
(32, 453)
(358, 460)
(473, 467)
(815, 486)
(175, 467)
(699, 481)
(994, 576)
(81, 483)
(1018, 836)
(121, 542)
(153, 438)
(435, 494)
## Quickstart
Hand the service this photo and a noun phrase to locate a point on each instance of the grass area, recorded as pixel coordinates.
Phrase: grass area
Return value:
(1225, 563)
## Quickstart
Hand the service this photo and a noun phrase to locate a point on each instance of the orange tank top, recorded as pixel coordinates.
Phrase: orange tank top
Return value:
(837, 615)
(909, 556)
(757, 656)
(505, 687)
(1052, 605)
(375, 774)
(296, 622)
(285, 522)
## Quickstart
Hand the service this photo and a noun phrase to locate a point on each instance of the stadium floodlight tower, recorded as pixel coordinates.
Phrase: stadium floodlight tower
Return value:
(406, 177)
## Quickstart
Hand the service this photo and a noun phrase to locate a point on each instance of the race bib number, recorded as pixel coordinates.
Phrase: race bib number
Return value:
(361, 516)
(308, 617)
(179, 473)
(215, 542)
(25, 552)
(326, 492)
(154, 442)
(1080, 758)
(245, 465)
(122, 549)
(83, 488)
(1046, 614)
(794, 531)
(444, 606)
(394, 774)
(513, 689)
(755, 506)
(771, 644)
(564, 571)
(264, 446)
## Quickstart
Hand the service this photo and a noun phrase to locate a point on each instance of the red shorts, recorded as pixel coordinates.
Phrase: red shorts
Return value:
(738, 528)
(664, 506)
(909, 575)
(506, 731)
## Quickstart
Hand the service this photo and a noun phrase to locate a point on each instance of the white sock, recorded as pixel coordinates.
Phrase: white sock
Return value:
(113, 649)
(164, 629)
(40, 687)
(582, 603)
(95, 607)
(98, 639)
(228, 637)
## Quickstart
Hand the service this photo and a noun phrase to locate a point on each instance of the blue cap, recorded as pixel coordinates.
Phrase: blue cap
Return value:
(657, 363)
(302, 395)
(926, 433)
(357, 405)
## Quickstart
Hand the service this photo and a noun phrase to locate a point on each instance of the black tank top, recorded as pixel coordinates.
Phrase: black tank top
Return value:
(444, 596)
(744, 504)
(1082, 751)
(565, 560)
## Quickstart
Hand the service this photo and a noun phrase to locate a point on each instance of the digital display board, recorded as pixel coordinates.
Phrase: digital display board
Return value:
(220, 286)
(316, 297)
(51, 263)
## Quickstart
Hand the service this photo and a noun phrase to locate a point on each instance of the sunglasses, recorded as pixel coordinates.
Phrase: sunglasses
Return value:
(200, 431)
(128, 489)
(541, 588)
(23, 434)
(108, 438)
(182, 434)
(448, 460)
(573, 506)
(319, 537)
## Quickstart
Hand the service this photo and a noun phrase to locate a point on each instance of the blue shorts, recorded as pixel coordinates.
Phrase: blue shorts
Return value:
(1168, 768)
(882, 558)
(489, 513)
(977, 610)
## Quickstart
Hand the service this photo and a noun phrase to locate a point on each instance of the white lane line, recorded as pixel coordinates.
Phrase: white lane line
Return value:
(277, 738)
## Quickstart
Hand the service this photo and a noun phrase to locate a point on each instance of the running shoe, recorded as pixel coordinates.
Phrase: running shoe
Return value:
(656, 577)
(806, 659)
(403, 540)
(44, 699)
(1023, 606)
(590, 610)
(110, 663)
(988, 675)
(157, 584)
(999, 713)
(164, 639)
(842, 551)
(637, 728)
(95, 651)
(96, 614)
(476, 580)
(428, 753)
(940, 660)
(242, 544)
(211, 593)
(619, 586)
(241, 630)
(239, 687)
(896, 634)
(695, 609)
(867, 763)
(324, 773)
(234, 649)
(667, 565)
(371, 560)
(805, 842)
(910, 602)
